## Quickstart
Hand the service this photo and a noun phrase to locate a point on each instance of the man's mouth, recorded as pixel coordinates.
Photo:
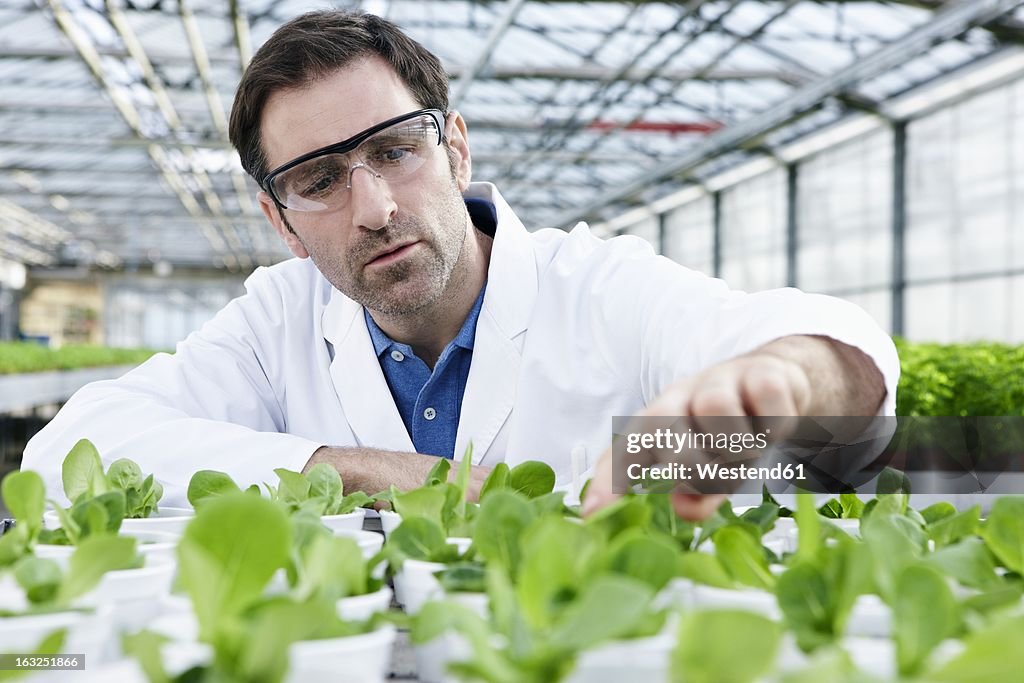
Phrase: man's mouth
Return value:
(392, 255)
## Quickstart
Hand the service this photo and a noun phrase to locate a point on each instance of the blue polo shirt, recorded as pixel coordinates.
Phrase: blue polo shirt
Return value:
(429, 402)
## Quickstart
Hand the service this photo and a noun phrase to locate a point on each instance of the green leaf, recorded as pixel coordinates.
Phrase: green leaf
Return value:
(39, 578)
(556, 556)
(228, 553)
(833, 509)
(895, 543)
(938, 511)
(94, 557)
(1004, 532)
(293, 488)
(724, 646)
(325, 482)
(649, 559)
(950, 529)
(463, 577)
(804, 597)
(497, 480)
(808, 528)
(24, 495)
(609, 607)
(82, 472)
(924, 613)
(462, 476)
(333, 567)
(207, 484)
(503, 517)
(970, 562)
(852, 506)
(423, 502)
(418, 538)
(124, 474)
(438, 474)
(892, 481)
(99, 515)
(532, 478)
(991, 654)
(743, 557)
(704, 568)
(352, 502)
(144, 647)
(763, 517)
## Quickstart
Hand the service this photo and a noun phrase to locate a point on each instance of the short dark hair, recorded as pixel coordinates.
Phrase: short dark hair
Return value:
(314, 45)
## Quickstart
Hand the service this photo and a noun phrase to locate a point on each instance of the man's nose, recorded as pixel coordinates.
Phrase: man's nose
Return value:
(372, 204)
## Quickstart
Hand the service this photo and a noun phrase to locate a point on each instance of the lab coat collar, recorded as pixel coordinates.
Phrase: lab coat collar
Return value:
(491, 387)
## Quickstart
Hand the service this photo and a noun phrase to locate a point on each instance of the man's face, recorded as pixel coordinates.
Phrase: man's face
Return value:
(394, 245)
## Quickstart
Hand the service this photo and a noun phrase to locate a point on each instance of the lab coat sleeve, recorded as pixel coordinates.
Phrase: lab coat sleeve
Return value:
(688, 321)
(208, 406)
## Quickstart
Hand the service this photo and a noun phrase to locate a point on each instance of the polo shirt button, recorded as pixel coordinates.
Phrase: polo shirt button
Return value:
(398, 355)
(429, 413)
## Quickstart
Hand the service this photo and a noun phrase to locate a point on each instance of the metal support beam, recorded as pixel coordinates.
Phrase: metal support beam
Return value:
(792, 220)
(946, 24)
(716, 242)
(662, 232)
(498, 31)
(899, 225)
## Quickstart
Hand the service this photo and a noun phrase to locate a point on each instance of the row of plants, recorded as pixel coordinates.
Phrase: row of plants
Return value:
(980, 378)
(278, 582)
(26, 357)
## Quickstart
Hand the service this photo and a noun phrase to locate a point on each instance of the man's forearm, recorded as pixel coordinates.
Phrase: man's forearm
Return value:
(373, 470)
(844, 380)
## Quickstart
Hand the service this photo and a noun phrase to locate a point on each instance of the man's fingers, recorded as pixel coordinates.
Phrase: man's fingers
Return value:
(695, 507)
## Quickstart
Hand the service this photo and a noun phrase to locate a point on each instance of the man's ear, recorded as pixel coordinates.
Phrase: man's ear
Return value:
(458, 143)
(273, 215)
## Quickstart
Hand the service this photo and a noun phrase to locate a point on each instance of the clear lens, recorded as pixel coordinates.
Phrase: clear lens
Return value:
(393, 153)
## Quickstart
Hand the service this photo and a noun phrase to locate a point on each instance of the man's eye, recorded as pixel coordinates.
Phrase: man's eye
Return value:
(322, 184)
(393, 155)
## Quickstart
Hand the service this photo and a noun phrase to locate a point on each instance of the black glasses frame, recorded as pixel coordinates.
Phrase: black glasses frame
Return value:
(348, 145)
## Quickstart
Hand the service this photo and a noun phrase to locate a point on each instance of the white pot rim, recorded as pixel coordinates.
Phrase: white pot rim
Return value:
(358, 512)
(380, 637)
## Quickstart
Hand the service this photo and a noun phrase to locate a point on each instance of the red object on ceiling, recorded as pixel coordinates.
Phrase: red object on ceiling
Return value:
(704, 127)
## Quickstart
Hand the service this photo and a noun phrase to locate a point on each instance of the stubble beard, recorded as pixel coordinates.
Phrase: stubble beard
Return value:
(413, 283)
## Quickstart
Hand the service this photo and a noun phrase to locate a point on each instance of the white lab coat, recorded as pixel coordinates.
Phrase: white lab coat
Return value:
(573, 330)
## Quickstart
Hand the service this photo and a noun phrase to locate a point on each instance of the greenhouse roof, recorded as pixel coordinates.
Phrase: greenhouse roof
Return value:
(113, 143)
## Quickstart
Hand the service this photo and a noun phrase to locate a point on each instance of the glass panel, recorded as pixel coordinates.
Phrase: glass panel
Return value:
(754, 232)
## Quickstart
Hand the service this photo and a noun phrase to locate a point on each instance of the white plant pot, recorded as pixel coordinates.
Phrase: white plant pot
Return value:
(875, 657)
(149, 543)
(362, 607)
(350, 520)
(421, 581)
(364, 658)
(389, 521)
(432, 658)
(415, 584)
(642, 659)
(869, 618)
(356, 659)
(167, 519)
(87, 633)
(135, 595)
(369, 542)
(749, 599)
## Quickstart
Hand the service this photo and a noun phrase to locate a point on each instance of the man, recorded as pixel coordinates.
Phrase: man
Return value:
(420, 316)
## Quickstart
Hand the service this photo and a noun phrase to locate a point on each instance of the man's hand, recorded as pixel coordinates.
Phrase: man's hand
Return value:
(792, 376)
(372, 470)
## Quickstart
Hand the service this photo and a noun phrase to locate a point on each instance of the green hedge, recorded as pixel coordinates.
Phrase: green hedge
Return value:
(19, 357)
(982, 378)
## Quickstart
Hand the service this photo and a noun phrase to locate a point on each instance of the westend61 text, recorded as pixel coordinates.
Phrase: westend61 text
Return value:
(715, 471)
